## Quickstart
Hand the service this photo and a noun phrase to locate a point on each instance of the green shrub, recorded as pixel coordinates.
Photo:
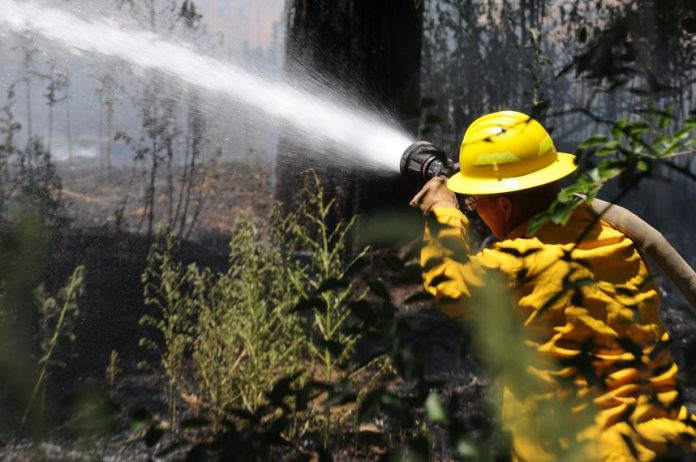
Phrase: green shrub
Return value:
(56, 322)
(245, 335)
(326, 251)
(165, 284)
(242, 330)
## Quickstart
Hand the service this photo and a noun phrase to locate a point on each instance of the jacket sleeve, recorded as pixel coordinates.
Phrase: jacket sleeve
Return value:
(450, 271)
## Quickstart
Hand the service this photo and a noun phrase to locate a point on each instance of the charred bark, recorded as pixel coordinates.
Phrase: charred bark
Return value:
(373, 51)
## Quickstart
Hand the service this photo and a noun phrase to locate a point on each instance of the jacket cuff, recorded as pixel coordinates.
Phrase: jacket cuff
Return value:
(451, 216)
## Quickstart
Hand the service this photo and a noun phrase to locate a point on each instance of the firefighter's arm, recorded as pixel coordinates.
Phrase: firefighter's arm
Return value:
(449, 273)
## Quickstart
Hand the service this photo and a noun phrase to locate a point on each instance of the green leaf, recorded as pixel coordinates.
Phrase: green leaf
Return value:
(606, 151)
(536, 222)
(466, 448)
(595, 175)
(433, 406)
(593, 141)
(639, 127)
(356, 266)
(664, 122)
(562, 214)
(140, 418)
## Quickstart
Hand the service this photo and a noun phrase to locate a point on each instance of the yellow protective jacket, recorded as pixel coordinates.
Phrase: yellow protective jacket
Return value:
(614, 322)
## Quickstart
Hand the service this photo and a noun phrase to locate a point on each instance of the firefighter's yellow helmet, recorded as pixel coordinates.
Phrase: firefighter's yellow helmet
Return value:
(508, 151)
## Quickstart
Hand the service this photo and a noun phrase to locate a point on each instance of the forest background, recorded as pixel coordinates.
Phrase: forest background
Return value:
(142, 250)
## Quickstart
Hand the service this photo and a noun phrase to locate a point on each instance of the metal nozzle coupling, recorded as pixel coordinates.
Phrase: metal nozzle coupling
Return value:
(422, 161)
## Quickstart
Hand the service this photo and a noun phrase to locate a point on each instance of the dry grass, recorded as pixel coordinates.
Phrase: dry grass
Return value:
(228, 190)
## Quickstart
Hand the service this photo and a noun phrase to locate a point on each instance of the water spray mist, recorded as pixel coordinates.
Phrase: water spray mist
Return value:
(364, 138)
(323, 122)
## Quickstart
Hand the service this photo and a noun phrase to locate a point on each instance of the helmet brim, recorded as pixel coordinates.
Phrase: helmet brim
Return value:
(564, 165)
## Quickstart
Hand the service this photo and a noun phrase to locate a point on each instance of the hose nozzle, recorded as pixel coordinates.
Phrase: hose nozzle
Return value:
(422, 161)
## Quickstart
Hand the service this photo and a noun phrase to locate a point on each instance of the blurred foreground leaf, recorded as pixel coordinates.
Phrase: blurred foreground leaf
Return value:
(434, 408)
(502, 343)
(392, 229)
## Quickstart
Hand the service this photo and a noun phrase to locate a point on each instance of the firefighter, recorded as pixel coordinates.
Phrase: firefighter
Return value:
(510, 171)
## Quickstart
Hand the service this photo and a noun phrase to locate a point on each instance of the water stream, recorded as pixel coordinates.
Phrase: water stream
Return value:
(362, 138)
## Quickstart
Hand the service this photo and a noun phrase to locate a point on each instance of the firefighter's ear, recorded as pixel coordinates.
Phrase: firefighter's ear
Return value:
(505, 207)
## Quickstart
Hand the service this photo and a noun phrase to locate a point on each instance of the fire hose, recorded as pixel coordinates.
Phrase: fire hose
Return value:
(651, 242)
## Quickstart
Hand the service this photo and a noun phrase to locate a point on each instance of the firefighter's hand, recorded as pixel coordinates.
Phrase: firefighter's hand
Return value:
(434, 195)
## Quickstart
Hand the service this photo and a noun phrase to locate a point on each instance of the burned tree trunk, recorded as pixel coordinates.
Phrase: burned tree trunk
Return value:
(373, 50)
